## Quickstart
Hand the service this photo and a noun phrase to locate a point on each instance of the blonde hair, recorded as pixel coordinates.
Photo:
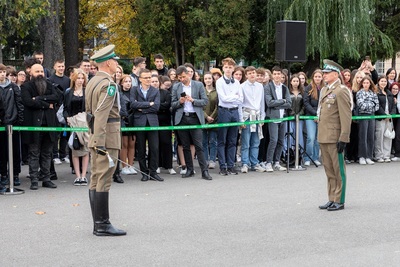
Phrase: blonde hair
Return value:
(228, 61)
(314, 90)
(74, 77)
(355, 86)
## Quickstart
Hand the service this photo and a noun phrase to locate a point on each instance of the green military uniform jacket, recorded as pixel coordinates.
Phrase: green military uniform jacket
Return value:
(102, 101)
(334, 112)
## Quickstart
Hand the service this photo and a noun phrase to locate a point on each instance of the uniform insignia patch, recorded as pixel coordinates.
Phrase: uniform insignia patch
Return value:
(111, 90)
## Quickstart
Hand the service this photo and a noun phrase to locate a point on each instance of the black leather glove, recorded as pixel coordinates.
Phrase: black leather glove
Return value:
(100, 150)
(340, 146)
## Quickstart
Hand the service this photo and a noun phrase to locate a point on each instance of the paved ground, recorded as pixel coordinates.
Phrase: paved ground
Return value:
(256, 219)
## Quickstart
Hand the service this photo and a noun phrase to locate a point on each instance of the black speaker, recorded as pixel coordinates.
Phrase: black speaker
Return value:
(290, 41)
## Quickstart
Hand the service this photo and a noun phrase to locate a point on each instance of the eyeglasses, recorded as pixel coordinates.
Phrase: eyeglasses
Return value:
(146, 78)
(21, 74)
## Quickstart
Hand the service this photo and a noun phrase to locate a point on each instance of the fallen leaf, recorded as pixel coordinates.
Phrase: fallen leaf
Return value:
(40, 212)
(75, 205)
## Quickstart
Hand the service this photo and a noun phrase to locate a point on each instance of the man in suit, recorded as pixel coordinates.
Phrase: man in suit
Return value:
(145, 104)
(334, 124)
(277, 99)
(102, 107)
(188, 99)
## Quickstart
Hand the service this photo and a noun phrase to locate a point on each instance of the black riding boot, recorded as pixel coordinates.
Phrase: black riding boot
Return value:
(102, 223)
(117, 175)
(92, 195)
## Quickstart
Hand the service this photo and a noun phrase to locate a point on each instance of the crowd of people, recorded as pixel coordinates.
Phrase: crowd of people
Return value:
(37, 96)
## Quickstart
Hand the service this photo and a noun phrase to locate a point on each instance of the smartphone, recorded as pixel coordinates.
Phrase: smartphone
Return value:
(183, 94)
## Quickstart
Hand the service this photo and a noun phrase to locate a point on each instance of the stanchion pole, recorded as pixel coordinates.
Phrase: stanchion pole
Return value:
(296, 160)
(11, 190)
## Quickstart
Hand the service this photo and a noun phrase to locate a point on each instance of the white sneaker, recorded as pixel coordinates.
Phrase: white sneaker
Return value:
(362, 161)
(317, 162)
(263, 164)
(183, 171)
(269, 167)
(258, 168)
(158, 170)
(125, 170)
(172, 171)
(307, 163)
(132, 170)
(395, 159)
(369, 161)
(387, 160)
(278, 167)
(380, 160)
(66, 160)
(211, 164)
(245, 168)
(57, 161)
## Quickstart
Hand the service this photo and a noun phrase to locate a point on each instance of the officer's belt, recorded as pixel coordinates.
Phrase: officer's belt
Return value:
(113, 120)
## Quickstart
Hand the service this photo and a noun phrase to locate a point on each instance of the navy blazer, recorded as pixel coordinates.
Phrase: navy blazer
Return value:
(140, 106)
(199, 96)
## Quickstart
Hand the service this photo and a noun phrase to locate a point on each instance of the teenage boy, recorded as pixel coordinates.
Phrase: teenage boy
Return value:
(230, 99)
(277, 99)
(63, 82)
(14, 115)
(160, 67)
(253, 110)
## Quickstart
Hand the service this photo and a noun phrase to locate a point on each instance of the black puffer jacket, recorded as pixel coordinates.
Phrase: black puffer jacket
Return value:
(13, 106)
(382, 103)
(310, 104)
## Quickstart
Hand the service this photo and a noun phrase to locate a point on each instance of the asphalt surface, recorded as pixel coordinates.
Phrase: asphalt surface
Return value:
(254, 219)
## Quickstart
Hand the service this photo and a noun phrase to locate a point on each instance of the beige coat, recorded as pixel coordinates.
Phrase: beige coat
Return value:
(101, 98)
(334, 112)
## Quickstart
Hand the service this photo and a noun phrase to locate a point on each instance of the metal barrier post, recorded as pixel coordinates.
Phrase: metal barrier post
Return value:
(296, 160)
(11, 190)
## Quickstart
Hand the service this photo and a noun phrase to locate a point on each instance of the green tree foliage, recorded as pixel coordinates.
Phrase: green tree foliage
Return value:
(387, 19)
(341, 28)
(19, 17)
(222, 28)
(192, 30)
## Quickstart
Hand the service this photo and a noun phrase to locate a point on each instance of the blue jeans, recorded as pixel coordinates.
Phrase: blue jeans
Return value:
(210, 144)
(250, 144)
(227, 137)
(275, 146)
(312, 146)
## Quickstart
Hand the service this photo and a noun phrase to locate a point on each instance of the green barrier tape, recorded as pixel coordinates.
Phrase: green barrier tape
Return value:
(49, 129)
(205, 126)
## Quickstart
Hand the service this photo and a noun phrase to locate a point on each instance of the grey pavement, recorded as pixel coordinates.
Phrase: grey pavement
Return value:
(254, 219)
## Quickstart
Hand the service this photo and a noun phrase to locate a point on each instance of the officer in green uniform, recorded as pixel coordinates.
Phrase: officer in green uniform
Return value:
(102, 108)
(334, 123)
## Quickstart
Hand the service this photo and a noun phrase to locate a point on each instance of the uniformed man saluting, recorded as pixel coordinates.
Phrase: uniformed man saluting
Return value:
(334, 113)
(102, 108)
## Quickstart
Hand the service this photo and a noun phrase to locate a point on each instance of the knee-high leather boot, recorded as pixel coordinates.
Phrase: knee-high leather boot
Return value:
(103, 225)
(117, 175)
(92, 195)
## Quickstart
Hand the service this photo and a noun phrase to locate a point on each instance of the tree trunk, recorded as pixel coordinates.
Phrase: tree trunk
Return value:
(71, 32)
(51, 36)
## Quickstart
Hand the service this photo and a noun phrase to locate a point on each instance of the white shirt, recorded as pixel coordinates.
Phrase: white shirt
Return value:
(188, 106)
(230, 95)
(278, 91)
(253, 97)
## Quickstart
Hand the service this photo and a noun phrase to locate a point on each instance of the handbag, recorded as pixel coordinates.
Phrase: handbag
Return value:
(73, 142)
(60, 115)
(389, 131)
